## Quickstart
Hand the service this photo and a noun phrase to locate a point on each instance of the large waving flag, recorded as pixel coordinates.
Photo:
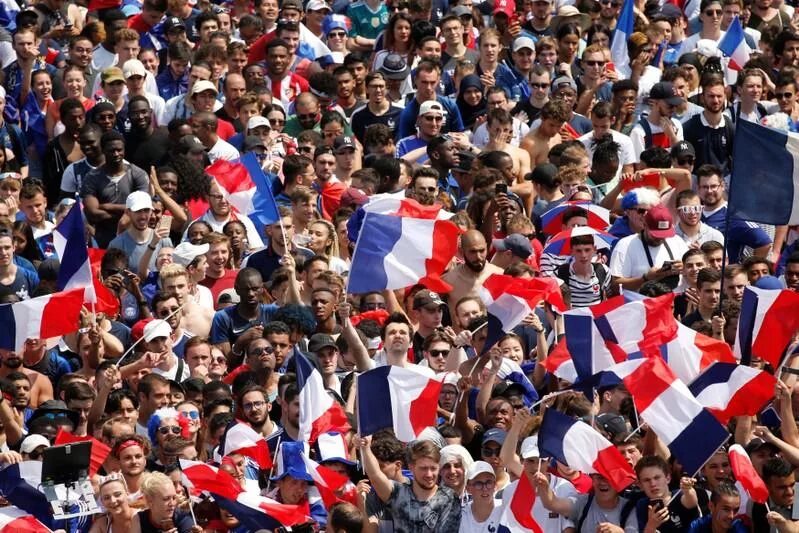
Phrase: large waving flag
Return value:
(624, 28)
(730, 389)
(15, 520)
(44, 317)
(518, 500)
(510, 300)
(511, 371)
(255, 512)
(690, 353)
(399, 398)
(393, 204)
(319, 412)
(578, 445)
(69, 239)
(766, 324)
(326, 480)
(733, 45)
(20, 485)
(559, 362)
(764, 193)
(746, 475)
(617, 329)
(247, 188)
(99, 450)
(394, 252)
(242, 439)
(664, 402)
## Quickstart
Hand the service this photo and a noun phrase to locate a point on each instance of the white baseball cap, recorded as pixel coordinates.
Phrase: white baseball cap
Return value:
(479, 467)
(155, 329)
(431, 106)
(133, 67)
(258, 121)
(523, 42)
(530, 447)
(32, 442)
(187, 252)
(204, 85)
(138, 200)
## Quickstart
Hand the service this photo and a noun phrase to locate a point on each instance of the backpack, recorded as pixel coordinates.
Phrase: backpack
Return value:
(626, 511)
(564, 273)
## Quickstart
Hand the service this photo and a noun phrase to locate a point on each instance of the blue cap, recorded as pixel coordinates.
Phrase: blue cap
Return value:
(289, 462)
(333, 22)
(495, 435)
(769, 283)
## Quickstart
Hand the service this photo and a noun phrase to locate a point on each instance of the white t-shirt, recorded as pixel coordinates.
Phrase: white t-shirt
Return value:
(222, 150)
(629, 259)
(470, 525)
(626, 152)
(638, 135)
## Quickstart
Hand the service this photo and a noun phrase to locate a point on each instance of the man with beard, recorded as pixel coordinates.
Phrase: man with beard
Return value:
(345, 91)
(467, 277)
(711, 132)
(174, 279)
(89, 142)
(41, 389)
(146, 145)
(255, 407)
(424, 185)
(139, 236)
(306, 115)
(236, 326)
(165, 306)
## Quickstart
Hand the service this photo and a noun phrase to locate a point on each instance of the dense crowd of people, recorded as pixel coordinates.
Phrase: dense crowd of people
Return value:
(514, 119)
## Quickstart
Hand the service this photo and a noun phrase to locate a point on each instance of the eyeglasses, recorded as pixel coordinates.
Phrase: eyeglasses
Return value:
(690, 209)
(254, 406)
(710, 187)
(258, 352)
(277, 121)
(713, 12)
(166, 430)
(220, 360)
(337, 34)
(438, 353)
(780, 96)
(642, 211)
(194, 415)
(595, 63)
(216, 197)
(688, 160)
(166, 312)
(488, 484)
(490, 452)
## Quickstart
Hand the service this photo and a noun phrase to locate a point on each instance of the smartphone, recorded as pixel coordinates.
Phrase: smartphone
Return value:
(657, 504)
(667, 265)
(610, 66)
(501, 188)
(165, 222)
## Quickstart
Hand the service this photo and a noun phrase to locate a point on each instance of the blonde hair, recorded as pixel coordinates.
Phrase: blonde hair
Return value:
(153, 481)
(172, 270)
(331, 250)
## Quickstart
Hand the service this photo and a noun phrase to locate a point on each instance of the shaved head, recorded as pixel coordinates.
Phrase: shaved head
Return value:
(472, 237)
(475, 250)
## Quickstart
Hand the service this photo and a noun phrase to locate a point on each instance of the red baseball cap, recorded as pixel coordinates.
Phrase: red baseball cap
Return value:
(659, 222)
(508, 7)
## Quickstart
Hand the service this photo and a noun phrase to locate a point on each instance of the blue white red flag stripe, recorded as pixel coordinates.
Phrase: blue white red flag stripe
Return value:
(400, 398)
(552, 220)
(776, 200)
(664, 402)
(319, 413)
(560, 244)
(746, 475)
(395, 252)
(20, 484)
(730, 389)
(518, 500)
(766, 324)
(242, 439)
(44, 317)
(69, 240)
(733, 45)
(397, 205)
(578, 445)
(15, 520)
(624, 29)
(244, 184)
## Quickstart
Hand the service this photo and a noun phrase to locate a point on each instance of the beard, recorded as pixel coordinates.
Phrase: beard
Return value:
(12, 362)
(475, 266)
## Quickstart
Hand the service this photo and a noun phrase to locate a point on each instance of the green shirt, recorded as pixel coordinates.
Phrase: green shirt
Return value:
(365, 22)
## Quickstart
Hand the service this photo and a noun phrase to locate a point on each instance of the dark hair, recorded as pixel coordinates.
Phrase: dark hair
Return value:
(656, 157)
(109, 137)
(277, 42)
(725, 488)
(707, 275)
(396, 318)
(114, 402)
(648, 461)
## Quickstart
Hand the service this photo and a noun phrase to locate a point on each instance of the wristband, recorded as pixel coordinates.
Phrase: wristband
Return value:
(151, 247)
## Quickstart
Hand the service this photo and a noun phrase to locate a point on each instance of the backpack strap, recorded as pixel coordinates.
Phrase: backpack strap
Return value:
(564, 272)
(626, 511)
(584, 512)
(647, 132)
(601, 275)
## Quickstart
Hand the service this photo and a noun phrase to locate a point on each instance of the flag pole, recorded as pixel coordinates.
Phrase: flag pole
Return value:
(129, 350)
(358, 424)
(191, 510)
(272, 469)
(678, 491)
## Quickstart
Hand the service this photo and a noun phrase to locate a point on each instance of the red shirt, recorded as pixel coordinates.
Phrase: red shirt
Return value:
(217, 285)
(136, 22)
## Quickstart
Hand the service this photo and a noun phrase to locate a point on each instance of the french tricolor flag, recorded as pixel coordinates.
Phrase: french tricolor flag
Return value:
(766, 324)
(746, 475)
(559, 362)
(255, 512)
(69, 239)
(690, 353)
(246, 187)
(14, 520)
(399, 398)
(730, 389)
(578, 445)
(394, 252)
(664, 402)
(393, 204)
(618, 44)
(319, 413)
(44, 317)
(242, 439)
(733, 45)
(518, 500)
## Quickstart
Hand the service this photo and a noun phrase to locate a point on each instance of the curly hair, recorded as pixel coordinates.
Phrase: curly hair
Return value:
(193, 182)
(296, 317)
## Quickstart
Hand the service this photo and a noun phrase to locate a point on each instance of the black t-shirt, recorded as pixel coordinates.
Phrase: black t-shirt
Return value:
(679, 520)
(531, 111)
(180, 520)
(363, 117)
(146, 150)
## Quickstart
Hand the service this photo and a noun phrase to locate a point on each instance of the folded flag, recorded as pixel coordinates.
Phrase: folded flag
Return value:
(664, 402)
(766, 324)
(20, 484)
(43, 317)
(14, 520)
(510, 300)
(246, 187)
(518, 500)
(106, 301)
(242, 439)
(578, 445)
(99, 449)
(255, 512)
(395, 252)
(512, 372)
(730, 389)
(733, 45)
(69, 239)
(395, 397)
(746, 475)
(319, 413)
(764, 193)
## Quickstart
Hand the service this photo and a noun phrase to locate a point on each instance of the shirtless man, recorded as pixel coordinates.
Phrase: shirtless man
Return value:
(41, 388)
(196, 318)
(540, 140)
(466, 278)
(500, 131)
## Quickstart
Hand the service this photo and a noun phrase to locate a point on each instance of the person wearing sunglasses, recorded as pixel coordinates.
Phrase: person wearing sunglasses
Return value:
(166, 423)
(689, 224)
(710, 15)
(32, 448)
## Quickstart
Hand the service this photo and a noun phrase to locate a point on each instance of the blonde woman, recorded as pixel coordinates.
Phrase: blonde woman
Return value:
(324, 241)
(162, 512)
(119, 516)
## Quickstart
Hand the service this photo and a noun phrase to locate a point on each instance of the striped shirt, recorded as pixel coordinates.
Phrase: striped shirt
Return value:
(587, 291)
